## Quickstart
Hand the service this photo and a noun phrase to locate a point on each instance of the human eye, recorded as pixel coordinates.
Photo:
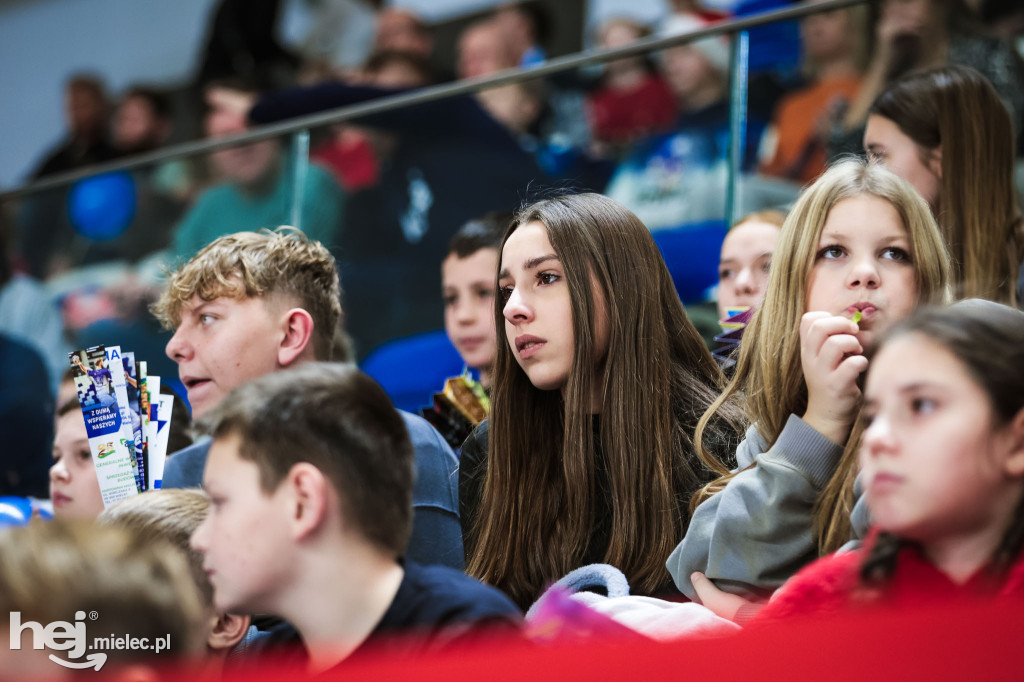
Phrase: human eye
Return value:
(84, 454)
(56, 455)
(485, 293)
(449, 300)
(895, 253)
(831, 252)
(548, 277)
(766, 266)
(205, 319)
(505, 292)
(876, 155)
(725, 273)
(920, 405)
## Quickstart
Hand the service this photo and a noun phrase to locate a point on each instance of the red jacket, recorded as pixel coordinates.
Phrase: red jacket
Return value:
(832, 585)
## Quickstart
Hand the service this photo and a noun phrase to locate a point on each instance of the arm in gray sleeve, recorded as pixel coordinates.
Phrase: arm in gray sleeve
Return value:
(757, 532)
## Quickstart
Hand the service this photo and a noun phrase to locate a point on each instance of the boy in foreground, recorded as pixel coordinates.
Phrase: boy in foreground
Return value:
(310, 478)
(253, 303)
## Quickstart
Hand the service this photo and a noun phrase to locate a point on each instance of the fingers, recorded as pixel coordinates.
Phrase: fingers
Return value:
(817, 327)
(722, 604)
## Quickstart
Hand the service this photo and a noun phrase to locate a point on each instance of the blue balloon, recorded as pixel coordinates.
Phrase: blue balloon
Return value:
(102, 207)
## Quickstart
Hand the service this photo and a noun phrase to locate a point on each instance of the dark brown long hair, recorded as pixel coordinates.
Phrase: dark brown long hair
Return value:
(988, 340)
(957, 109)
(537, 510)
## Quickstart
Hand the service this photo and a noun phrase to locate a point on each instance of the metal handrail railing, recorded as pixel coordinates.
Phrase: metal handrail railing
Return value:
(430, 94)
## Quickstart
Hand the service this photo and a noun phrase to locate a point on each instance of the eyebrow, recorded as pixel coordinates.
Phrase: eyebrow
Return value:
(909, 388)
(530, 263)
(756, 258)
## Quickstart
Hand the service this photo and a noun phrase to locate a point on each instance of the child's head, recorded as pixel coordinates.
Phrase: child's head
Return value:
(468, 274)
(588, 321)
(841, 34)
(746, 258)
(74, 488)
(172, 516)
(942, 456)
(317, 455)
(136, 587)
(248, 304)
(697, 71)
(582, 285)
(859, 239)
(947, 132)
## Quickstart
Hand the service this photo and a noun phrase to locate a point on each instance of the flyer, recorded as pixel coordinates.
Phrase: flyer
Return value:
(134, 404)
(116, 367)
(162, 408)
(111, 455)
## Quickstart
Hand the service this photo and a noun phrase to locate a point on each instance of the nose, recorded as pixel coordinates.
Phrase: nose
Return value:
(517, 310)
(864, 273)
(877, 438)
(745, 283)
(464, 313)
(178, 348)
(198, 539)
(59, 472)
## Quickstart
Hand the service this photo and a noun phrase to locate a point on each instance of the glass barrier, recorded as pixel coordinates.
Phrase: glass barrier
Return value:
(678, 135)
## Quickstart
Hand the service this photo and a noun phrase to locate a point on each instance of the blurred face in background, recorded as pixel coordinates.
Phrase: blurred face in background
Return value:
(885, 143)
(743, 266)
(252, 165)
(827, 35)
(74, 488)
(468, 289)
(137, 126)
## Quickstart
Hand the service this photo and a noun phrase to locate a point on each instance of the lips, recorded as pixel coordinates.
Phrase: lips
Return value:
(867, 310)
(471, 342)
(884, 482)
(528, 345)
(59, 499)
(193, 382)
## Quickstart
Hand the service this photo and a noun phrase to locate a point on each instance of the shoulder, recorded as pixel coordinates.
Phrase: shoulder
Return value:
(436, 464)
(441, 596)
(184, 469)
(425, 437)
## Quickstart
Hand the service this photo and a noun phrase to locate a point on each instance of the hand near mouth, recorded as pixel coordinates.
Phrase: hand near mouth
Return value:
(832, 358)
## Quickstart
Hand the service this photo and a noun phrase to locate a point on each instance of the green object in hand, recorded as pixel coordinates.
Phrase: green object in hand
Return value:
(857, 317)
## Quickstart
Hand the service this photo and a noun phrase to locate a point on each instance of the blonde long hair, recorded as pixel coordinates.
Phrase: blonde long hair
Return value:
(769, 375)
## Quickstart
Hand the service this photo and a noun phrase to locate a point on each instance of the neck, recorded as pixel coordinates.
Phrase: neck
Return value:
(485, 377)
(962, 554)
(345, 591)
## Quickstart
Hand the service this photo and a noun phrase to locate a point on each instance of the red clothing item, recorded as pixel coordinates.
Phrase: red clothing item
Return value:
(832, 585)
(632, 113)
(799, 154)
(351, 159)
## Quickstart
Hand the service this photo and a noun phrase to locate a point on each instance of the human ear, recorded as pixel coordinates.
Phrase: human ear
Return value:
(228, 630)
(308, 488)
(935, 162)
(297, 338)
(1014, 464)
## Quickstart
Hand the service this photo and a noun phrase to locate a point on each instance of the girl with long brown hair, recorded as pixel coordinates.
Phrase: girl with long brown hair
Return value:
(598, 384)
(858, 251)
(946, 131)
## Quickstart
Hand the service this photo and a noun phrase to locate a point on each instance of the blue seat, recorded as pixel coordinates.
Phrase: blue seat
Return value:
(691, 254)
(412, 369)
